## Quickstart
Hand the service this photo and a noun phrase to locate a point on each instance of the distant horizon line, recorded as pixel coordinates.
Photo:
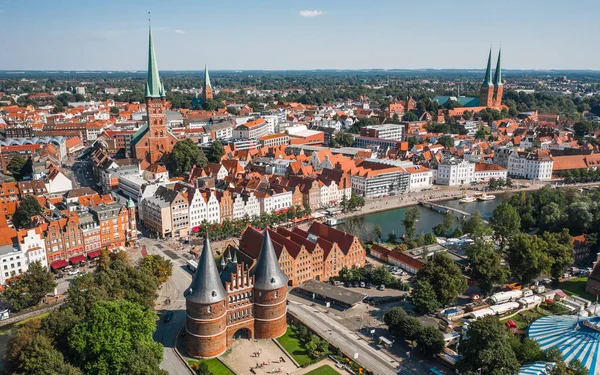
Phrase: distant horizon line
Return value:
(295, 70)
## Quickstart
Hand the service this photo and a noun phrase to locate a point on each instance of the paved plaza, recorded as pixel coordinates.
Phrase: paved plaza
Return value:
(242, 357)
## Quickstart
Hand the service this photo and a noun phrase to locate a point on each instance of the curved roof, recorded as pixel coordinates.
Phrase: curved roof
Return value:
(267, 273)
(206, 287)
(571, 336)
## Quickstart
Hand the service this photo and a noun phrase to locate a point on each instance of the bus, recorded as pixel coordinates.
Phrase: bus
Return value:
(192, 265)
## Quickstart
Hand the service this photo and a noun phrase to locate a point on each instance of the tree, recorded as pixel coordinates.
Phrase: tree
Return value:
(401, 324)
(424, 298)
(29, 289)
(446, 141)
(203, 369)
(410, 221)
(476, 227)
(114, 111)
(28, 207)
(430, 341)
(506, 223)
(19, 166)
(560, 250)
(392, 238)
(20, 340)
(183, 157)
(445, 277)
(445, 226)
(528, 257)
(142, 361)
(103, 341)
(526, 350)
(217, 151)
(488, 350)
(410, 116)
(486, 265)
(582, 128)
(378, 232)
(158, 267)
(343, 139)
(40, 357)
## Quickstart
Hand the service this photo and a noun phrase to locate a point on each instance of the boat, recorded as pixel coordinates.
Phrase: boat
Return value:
(333, 221)
(467, 199)
(486, 197)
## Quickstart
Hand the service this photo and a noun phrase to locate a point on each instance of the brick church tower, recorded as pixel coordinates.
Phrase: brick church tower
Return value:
(237, 303)
(153, 140)
(207, 93)
(486, 92)
(499, 87)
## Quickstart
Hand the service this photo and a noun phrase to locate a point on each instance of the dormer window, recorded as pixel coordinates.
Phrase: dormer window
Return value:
(214, 293)
(272, 280)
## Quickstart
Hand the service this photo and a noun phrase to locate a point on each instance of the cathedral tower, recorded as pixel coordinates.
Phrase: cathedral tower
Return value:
(486, 92)
(498, 83)
(207, 93)
(270, 293)
(206, 307)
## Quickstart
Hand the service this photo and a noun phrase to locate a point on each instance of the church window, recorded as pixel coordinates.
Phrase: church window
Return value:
(161, 133)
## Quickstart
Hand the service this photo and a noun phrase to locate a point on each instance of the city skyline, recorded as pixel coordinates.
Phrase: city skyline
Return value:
(304, 35)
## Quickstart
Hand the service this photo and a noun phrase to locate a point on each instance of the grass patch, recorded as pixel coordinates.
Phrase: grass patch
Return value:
(323, 370)
(524, 319)
(576, 287)
(41, 316)
(214, 366)
(292, 345)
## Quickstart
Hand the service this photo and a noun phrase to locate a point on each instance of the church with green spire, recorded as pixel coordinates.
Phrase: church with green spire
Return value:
(490, 92)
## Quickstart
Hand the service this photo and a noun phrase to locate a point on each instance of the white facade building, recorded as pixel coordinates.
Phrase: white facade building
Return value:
(245, 205)
(16, 260)
(420, 178)
(203, 206)
(271, 201)
(531, 166)
(454, 172)
(57, 182)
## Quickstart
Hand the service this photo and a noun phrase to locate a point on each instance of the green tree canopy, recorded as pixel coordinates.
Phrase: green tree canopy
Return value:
(157, 266)
(20, 166)
(28, 208)
(424, 298)
(476, 227)
(445, 277)
(410, 221)
(217, 151)
(560, 250)
(430, 341)
(40, 358)
(342, 139)
(506, 223)
(410, 116)
(446, 141)
(110, 331)
(29, 289)
(488, 350)
(183, 157)
(486, 265)
(528, 257)
(401, 324)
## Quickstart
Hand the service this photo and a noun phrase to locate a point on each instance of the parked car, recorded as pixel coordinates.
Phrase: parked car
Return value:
(369, 285)
(362, 284)
(74, 272)
(381, 287)
(168, 317)
(355, 284)
(59, 276)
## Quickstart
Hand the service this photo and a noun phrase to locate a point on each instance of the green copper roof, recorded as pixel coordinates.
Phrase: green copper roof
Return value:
(488, 72)
(498, 73)
(206, 77)
(154, 88)
(130, 203)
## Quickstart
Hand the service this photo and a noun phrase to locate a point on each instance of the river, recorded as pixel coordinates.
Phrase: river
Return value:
(391, 220)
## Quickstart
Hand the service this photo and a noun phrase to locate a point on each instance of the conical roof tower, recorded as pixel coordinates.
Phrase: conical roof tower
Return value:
(154, 88)
(206, 287)
(498, 72)
(267, 273)
(487, 81)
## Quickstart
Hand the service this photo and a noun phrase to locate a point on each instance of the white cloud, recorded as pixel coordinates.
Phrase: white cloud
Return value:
(311, 13)
(179, 31)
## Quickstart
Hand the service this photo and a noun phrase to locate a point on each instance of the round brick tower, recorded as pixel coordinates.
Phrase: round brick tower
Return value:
(270, 293)
(206, 307)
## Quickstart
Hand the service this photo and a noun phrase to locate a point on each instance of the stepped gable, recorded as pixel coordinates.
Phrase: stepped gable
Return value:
(267, 273)
(206, 287)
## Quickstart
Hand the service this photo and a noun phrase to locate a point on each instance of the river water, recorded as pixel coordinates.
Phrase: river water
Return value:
(392, 220)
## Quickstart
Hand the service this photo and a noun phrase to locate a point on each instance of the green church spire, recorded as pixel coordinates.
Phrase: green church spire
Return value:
(154, 89)
(488, 72)
(498, 73)
(206, 77)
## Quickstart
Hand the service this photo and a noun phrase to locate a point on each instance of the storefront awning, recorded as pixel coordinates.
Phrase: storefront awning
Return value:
(77, 259)
(59, 264)
(94, 254)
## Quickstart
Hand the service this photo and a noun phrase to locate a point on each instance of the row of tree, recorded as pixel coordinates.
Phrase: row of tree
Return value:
(104, 327)
(428, 339)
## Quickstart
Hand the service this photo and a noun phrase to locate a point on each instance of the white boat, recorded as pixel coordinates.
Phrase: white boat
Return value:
(467, 199)
(486, 197)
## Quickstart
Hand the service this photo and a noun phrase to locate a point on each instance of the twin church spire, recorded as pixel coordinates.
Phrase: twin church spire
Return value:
(490, 94)
(487, 81)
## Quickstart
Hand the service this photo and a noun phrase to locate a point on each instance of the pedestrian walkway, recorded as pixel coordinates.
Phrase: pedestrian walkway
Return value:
(244, 356)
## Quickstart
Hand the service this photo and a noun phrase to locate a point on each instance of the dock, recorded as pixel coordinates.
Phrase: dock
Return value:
(440, 208)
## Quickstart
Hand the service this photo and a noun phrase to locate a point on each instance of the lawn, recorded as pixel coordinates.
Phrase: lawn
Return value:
(524, 319)
(576, 287)
(323, 370)
(214, 366)
(293, 347)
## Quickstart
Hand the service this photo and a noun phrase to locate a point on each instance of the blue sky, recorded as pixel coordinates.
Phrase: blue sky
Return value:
(325, 34)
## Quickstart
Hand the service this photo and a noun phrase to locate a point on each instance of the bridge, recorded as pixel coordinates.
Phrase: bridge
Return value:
(440, 208)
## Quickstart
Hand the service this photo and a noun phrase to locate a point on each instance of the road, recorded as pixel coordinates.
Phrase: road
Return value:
(348, 341)
(166, 333)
